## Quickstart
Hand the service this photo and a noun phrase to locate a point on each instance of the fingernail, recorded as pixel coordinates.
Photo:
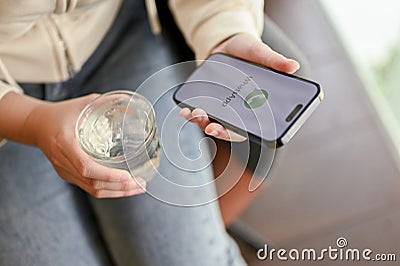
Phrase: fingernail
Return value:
(214, 133)
(184, 112)
(295, 62)
(125, 176)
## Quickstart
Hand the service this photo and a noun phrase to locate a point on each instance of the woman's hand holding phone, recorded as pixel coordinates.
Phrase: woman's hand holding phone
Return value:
(250, 48)
(199, 116)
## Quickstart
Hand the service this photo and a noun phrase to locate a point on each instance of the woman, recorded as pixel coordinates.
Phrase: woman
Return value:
(53, 54)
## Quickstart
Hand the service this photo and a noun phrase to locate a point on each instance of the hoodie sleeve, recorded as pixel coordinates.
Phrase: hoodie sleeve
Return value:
(6, 88)
(7, 82)
(206, 23)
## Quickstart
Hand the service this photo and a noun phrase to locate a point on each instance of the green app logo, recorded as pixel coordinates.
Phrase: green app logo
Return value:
(256, 98)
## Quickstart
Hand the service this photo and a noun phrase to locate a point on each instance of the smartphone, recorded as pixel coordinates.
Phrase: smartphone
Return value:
(252, 100)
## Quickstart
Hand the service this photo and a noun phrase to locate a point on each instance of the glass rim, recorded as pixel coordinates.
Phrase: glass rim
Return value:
(124, 157)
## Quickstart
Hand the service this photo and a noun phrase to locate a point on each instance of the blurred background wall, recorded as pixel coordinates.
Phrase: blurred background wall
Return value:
(340, 175)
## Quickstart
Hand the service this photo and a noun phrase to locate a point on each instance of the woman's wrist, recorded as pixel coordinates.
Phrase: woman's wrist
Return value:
(16, 109)
(33, 125)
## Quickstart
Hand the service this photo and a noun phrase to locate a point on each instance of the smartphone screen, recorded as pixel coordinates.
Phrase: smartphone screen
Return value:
(248, 97)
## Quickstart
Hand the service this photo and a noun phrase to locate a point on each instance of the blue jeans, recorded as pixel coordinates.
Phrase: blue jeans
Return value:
(45, 221)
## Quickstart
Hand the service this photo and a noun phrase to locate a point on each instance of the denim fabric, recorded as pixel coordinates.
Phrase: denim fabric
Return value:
(45, 221)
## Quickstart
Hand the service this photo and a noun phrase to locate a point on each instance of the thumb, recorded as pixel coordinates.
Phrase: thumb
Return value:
(251, 48)
(264, 55)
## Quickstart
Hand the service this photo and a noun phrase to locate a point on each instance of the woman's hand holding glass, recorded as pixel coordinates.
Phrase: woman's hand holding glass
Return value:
(53, 129)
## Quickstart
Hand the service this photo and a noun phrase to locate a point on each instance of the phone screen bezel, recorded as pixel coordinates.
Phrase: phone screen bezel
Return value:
(288, 132)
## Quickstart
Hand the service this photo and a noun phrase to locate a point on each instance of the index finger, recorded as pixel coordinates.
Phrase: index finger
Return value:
(220, 132)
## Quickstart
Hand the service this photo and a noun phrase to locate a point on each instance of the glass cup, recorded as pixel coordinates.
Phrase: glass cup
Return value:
(118, 130)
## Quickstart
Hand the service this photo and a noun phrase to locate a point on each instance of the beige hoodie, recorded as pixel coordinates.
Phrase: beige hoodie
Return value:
(47, 40)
